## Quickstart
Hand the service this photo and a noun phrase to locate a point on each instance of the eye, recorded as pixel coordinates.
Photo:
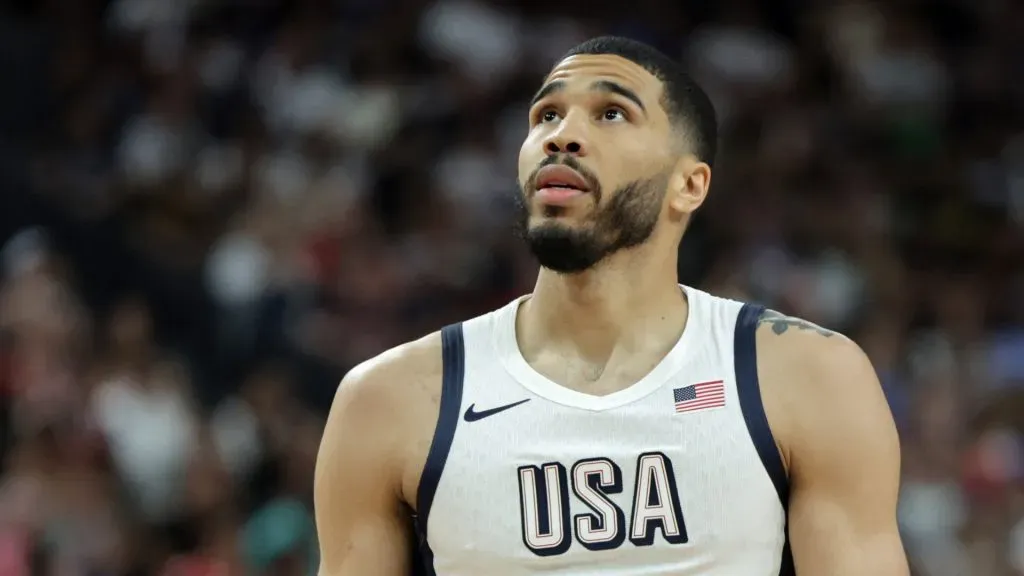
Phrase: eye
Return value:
(548, 115)
(614, 114)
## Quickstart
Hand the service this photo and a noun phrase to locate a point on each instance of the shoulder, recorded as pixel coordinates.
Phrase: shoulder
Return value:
(411, 368)
(819, 361)
(388, 407)
(819, 388)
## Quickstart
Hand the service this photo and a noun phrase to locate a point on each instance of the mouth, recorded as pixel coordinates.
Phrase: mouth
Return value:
(559, 185)
(562, 178)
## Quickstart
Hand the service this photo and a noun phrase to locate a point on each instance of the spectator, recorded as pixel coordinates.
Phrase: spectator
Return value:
(212, 210)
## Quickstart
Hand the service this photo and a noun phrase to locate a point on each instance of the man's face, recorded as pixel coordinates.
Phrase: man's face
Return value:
(595, 166)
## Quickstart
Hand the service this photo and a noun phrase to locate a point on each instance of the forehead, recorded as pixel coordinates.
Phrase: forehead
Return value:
(580, 70)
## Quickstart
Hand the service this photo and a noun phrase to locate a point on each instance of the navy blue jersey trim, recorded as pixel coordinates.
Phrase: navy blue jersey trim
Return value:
(453, 356)
(749, 389)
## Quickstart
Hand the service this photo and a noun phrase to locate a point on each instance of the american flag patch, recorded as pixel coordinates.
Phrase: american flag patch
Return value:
(700, 396)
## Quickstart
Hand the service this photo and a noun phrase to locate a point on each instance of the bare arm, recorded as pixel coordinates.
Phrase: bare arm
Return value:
(359, 513)
(842, 449)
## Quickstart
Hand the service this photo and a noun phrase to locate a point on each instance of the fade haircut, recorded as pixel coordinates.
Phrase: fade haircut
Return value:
(686, 103)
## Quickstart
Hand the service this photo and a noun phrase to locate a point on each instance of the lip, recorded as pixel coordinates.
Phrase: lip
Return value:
(559, 196)
(560, 176)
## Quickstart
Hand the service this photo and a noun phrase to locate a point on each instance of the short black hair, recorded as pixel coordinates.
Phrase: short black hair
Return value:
(684, 100)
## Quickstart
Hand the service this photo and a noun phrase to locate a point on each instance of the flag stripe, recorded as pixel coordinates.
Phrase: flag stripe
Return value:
(692, 406)
(701, 401)
(703, 397)
(696, 408)
(705, 393)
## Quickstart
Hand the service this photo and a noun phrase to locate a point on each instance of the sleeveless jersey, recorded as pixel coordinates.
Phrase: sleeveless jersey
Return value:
(677, 474)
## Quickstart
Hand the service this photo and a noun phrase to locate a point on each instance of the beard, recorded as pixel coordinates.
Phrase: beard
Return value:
(626, 221)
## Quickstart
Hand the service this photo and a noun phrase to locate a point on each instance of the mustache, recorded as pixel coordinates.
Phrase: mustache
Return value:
(571, 162)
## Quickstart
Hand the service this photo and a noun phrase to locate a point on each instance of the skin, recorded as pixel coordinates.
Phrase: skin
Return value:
(838, 442)
(602, 329)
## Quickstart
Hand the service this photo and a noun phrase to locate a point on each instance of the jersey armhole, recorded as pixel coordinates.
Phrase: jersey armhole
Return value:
(749, 389)
(453, 357)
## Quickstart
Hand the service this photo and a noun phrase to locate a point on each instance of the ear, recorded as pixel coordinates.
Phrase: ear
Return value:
(689, 185)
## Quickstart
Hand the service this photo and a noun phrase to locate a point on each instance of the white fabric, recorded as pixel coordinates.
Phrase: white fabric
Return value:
(733, 519)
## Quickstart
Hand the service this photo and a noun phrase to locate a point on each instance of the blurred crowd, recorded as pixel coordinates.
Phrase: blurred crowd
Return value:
(211, 209)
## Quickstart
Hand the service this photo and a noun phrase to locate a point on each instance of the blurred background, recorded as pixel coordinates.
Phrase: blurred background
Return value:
(211, 209)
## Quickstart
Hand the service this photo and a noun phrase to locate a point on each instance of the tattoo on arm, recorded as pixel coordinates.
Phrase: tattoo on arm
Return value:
(780, 323)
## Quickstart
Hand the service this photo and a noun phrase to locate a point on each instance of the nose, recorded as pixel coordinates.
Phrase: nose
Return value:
(568, 138)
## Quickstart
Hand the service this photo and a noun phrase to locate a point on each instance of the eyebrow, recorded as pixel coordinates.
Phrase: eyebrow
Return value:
(599, 85)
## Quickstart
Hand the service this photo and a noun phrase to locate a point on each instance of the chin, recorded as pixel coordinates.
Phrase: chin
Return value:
(562, 215)
(553, 226)
(564, 249)
(547, 225)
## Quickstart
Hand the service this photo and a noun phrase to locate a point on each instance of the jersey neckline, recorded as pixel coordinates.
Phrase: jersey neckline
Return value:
(515, 364)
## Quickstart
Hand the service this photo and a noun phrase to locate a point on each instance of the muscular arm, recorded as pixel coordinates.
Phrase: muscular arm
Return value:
(359, 514)
(841, 447)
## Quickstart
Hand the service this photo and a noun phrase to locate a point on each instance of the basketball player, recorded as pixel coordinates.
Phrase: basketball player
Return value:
(614, 422)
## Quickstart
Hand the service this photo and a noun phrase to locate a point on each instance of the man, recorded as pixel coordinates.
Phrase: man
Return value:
(613, 422)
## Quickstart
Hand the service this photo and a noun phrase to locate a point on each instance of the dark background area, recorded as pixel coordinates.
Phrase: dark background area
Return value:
(211, 209)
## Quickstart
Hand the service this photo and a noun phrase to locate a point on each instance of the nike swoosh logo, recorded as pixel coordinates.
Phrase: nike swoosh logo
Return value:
(472, 415)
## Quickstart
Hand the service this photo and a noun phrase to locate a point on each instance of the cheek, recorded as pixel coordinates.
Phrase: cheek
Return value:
(629, 162)
(529, 157)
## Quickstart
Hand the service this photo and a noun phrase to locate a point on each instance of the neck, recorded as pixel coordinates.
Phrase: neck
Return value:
(627, 297)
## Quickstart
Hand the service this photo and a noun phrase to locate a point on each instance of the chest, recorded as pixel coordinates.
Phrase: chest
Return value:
(543, 485)
(598, 379)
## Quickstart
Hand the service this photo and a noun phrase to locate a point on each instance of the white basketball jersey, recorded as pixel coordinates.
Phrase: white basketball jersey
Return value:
(677, 474)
